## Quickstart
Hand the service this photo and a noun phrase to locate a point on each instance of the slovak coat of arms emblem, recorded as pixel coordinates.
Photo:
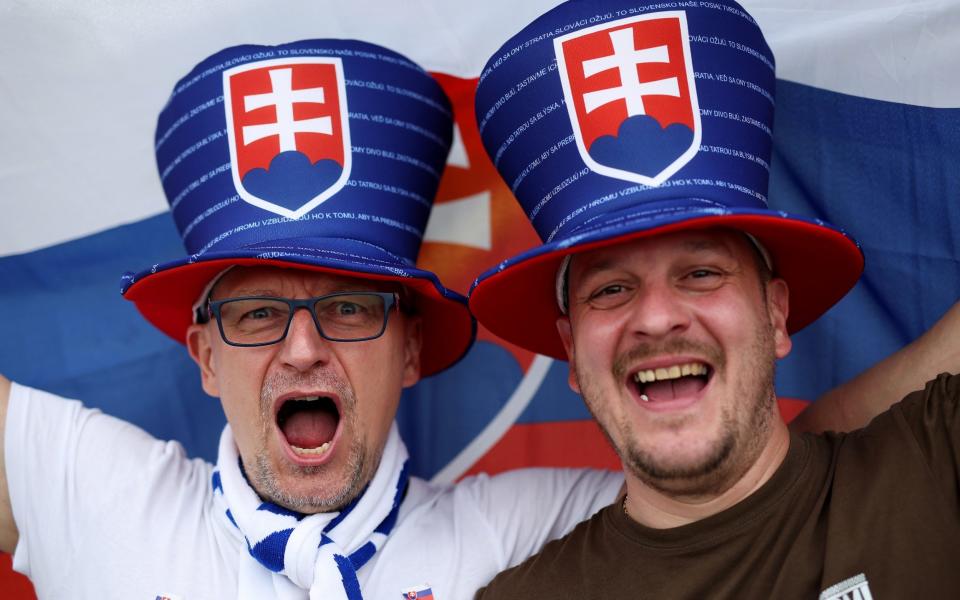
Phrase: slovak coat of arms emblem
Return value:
(631, 96)
(288, 129)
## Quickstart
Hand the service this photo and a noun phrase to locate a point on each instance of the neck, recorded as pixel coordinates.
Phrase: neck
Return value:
(658, 510)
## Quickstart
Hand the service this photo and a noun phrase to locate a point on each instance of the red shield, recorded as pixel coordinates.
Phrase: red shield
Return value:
(287, 121)
(630, 93)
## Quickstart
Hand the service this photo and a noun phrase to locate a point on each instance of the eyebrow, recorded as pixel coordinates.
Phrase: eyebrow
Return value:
(597, 267)
(272, 293)
(693, 246)
(705, 245)
(254, 292)
(237, 293)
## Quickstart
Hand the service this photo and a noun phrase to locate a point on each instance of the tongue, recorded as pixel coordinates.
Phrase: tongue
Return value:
(309, 428)
(671, 389)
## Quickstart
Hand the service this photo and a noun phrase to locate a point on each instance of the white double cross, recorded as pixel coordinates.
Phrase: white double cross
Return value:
(283, 97)
(625, 59)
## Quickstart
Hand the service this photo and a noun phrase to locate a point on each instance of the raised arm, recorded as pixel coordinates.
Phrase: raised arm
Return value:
(8, 529)
(854, 403)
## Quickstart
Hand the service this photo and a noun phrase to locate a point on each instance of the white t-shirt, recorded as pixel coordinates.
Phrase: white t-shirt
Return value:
(106, 511)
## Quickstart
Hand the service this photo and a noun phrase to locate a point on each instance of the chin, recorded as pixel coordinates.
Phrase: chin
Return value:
(683, 467)
(324, 488)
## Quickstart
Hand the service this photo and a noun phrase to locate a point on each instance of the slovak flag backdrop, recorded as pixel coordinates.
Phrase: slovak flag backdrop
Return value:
(866, 136)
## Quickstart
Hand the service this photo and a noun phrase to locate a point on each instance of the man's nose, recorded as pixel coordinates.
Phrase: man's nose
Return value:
(658, 311)
(304, 347)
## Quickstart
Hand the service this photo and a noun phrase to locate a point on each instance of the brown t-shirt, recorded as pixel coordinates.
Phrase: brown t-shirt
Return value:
(870, 514)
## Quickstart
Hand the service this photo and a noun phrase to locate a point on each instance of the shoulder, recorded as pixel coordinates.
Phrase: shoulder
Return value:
(28, 401)
(538, 481)
(530, 495)
(529, 481)
(933, 411)
(940, 395)
(915, 443)
(559, 565)
(132, 487)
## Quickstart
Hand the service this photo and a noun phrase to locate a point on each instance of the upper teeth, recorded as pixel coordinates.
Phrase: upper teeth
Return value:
(307, 398)
(674, 372)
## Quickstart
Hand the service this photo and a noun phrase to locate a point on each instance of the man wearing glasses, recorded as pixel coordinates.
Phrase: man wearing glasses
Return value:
(301, 178)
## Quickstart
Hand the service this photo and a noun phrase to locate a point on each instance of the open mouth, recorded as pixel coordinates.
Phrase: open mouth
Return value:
(309, 424)
(674, 382)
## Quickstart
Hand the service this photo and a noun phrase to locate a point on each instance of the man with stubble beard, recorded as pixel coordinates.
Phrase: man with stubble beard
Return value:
(672, 289)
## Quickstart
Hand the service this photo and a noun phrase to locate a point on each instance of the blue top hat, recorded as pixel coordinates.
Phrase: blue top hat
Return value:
(322, 155)
(613, 120)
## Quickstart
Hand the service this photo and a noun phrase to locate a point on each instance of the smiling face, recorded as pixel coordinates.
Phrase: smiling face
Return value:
(310, 416)
(672, 341)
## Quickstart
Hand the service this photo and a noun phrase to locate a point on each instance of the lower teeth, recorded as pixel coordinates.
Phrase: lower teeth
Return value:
(644, 397)
(318, 450)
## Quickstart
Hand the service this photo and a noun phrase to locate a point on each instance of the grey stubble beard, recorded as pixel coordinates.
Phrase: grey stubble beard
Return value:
(264, 477)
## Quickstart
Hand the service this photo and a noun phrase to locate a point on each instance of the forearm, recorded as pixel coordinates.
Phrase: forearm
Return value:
(854, 403)
(8, 529)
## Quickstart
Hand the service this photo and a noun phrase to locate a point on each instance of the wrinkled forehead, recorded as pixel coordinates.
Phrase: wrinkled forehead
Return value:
(649, 251)
(289, 282)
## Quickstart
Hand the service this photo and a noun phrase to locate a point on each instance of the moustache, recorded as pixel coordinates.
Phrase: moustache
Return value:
(277, 383)
(646, 350)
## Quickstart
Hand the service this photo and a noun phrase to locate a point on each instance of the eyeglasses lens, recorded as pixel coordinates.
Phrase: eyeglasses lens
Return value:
(342, 317)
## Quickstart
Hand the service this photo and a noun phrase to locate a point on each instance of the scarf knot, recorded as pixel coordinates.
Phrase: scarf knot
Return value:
(293, 556)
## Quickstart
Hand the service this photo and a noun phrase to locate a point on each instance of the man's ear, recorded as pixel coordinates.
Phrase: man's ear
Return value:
(412, 343)
(778, 307)
(201, 351)
(566, 336)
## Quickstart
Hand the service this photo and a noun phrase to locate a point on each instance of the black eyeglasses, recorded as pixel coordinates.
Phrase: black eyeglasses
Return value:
(339, 317)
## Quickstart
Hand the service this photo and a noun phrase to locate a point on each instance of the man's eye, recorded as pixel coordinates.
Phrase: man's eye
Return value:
(346, 309)
(703, 279)
(610, 290)
(609, 296)
(264, 312)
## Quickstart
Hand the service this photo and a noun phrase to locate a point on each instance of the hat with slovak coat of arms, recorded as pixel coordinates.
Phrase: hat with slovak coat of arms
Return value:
(322, 155)
(614, 120)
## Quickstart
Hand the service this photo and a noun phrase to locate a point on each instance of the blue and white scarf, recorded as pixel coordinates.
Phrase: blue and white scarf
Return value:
(291, 553)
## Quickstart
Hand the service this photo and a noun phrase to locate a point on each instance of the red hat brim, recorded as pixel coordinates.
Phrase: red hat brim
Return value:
(517, 299)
